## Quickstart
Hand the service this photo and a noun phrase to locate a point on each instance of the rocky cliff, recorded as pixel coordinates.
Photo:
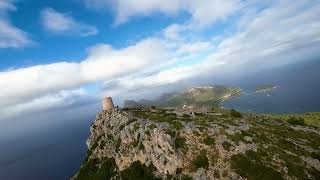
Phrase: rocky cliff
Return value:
(200, 143)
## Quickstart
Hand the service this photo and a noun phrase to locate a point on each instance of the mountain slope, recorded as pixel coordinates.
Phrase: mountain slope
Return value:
(198, 143)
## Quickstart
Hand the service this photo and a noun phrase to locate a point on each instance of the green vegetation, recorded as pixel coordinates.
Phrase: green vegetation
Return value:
(152, 126)
(311, 118)
(209, 141)
(235, 113)
(180, 142)
(296, 121)
(237, 137)
(250, 167)
(137, 171)
(316, 155)
(201, 161)
(136, 126)
(91, 170)
(185, 177)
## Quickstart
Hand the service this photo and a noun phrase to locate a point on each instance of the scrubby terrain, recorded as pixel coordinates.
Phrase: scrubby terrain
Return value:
(199, 143)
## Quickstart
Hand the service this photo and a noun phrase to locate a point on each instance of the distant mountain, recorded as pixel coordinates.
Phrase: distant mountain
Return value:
(196, 96)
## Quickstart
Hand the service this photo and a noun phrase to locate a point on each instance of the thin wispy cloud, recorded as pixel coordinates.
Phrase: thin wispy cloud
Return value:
(10, 35)
(63, 23)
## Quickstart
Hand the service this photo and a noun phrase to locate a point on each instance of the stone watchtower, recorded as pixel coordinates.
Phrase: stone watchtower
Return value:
(107, 103)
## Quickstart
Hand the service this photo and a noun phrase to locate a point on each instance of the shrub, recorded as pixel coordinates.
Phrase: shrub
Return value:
(180, 142)
(91, 170)
(296, 121)
(152, 126)
(136, 126)
(176, 125)
(209, 141)
(315, 155)
(186, 177)
(137, 171)
(235, 113)
(201, 161)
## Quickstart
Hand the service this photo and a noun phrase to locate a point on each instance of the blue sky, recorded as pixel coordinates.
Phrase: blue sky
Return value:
(27, 17)
(66, 53)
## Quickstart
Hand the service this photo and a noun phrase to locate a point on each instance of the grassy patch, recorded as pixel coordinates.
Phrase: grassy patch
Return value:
(311, 118)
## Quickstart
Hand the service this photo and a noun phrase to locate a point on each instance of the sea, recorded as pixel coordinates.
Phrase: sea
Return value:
(54, 148)
(297, 90)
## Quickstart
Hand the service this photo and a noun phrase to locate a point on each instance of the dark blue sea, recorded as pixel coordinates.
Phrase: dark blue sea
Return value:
(298, 90)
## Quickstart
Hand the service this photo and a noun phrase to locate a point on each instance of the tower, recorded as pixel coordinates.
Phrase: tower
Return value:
(107, 103)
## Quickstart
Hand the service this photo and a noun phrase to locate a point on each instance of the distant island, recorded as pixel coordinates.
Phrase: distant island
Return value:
(195, 96)
(265, 88)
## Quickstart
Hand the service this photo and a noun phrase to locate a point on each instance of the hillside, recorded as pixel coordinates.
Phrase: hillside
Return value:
(198, 143)
(196, 96)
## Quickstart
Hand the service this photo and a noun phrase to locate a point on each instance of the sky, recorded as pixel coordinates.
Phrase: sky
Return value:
(58, 55)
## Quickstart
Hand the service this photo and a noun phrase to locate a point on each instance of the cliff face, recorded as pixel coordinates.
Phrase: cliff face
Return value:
(198, 144)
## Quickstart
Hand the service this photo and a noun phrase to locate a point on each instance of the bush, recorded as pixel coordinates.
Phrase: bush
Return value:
(209, 141)
(296, 121)
(91, 170)
(180, 142)
(235, 113)
(137, 171)
(315, 155)
(201, 161)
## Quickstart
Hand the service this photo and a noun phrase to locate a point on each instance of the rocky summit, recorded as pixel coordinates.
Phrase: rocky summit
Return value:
(199, 143)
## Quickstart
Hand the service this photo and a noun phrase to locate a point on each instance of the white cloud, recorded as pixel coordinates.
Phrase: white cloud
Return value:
(203, 12)
(62, 23)
(11, 36)
(195, 47)
(103, 63)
